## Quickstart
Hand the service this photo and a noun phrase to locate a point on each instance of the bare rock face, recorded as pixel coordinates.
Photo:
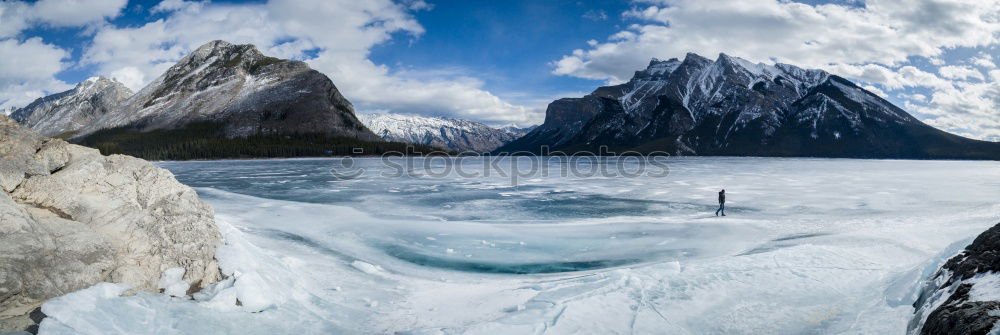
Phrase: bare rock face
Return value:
(62, 114)
(70, 218)
(961, 297)
(240, 88)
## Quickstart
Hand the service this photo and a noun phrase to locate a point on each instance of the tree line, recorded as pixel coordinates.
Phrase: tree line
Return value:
(205, 140)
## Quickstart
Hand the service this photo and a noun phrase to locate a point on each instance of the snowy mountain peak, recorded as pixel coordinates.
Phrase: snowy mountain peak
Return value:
(68, 111)
(513, 129)
(731, 106)
(92, 80)
(691, 57)
(232, 86)
(445, 133)
(95, 83)
(657, 69)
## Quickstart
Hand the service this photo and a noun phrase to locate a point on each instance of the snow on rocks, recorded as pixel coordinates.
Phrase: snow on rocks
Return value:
(172, 282)
(70, 218)
(66, 112)
(446, 133)
(961, 297)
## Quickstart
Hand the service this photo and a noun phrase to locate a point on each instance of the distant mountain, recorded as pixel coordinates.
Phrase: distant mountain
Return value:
(445, 133)
(518, 131)
(220, 101)
(66, 112)
(244, 91)
(730, 106)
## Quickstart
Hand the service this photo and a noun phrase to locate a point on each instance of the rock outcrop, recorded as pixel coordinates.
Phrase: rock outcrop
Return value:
(963, 297)
(70, 218)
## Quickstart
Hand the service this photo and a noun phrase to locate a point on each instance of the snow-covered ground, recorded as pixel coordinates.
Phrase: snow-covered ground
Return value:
(809, 246)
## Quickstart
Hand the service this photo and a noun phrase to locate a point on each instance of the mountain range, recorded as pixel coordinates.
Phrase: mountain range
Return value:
(225, 100)
(220, 101)
(446, 133)
(730, 106)
(63, 114)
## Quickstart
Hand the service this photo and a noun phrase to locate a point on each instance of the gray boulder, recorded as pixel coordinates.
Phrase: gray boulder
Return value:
(70, 218)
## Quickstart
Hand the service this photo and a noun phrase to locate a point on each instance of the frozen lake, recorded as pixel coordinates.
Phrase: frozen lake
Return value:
(809, 246)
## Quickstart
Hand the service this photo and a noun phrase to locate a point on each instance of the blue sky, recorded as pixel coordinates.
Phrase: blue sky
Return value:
(501, 62)
(509, 43)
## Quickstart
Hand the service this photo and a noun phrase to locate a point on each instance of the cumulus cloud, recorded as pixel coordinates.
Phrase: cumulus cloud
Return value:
(71, 13)
(166, 6)
(960, 72)
(881, 31)
(970, 110)
(16, 16)
(30, 65)
(28, 71)
(303, 30)
(984, 60)
(892, 79)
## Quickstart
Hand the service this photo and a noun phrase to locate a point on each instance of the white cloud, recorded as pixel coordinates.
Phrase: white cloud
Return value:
(881, 31)
(916, 97)
(339, 35)
(960, 72)
(28, 71)
(970, 110)
(14, 17)
(166, 6)
(29, 67)
(984, 60)
(903, 77)
(71, 13)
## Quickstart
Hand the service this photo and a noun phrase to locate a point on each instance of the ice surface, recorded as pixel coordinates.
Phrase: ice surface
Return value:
(809, 246)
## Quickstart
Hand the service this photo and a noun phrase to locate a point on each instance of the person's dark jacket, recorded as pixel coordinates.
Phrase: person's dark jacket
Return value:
(722, 197)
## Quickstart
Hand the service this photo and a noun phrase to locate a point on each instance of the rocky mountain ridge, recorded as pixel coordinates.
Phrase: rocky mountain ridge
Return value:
(220, 101)
(66, 112)
(242, 89)
(729, 106)
(447, 133)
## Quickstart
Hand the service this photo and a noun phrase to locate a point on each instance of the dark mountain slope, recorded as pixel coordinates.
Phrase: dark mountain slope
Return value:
(733, 107)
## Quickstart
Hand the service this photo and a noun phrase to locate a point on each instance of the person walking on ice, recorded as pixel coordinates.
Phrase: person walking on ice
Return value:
(722, 203)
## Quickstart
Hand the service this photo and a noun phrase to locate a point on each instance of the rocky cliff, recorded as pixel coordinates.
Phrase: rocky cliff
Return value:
(71, 217)
(963, 297)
